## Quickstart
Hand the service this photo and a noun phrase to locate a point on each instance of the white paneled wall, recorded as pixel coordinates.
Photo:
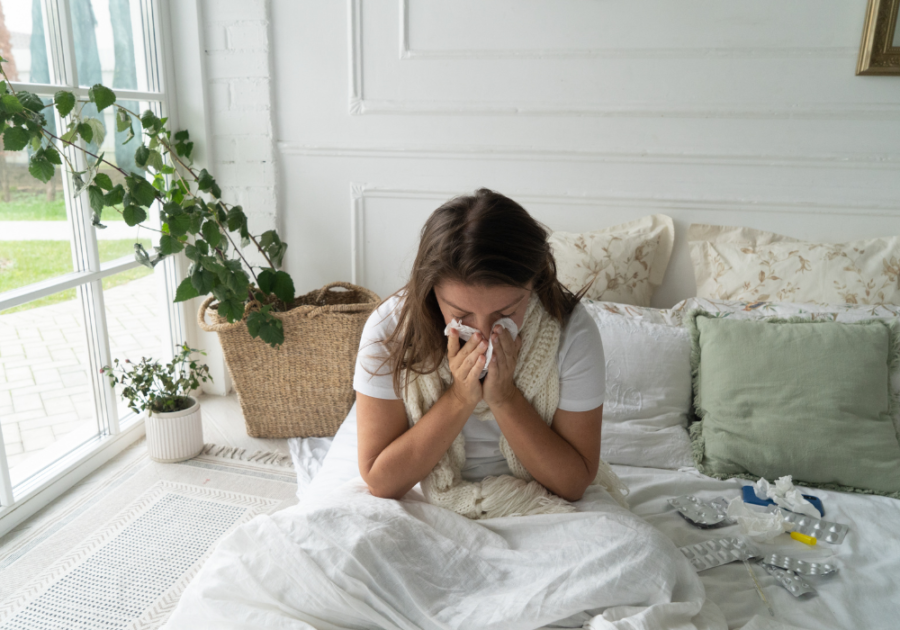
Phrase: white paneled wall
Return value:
(590, 112)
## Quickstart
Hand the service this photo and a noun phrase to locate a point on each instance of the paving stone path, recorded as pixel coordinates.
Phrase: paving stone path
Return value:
(45, 390)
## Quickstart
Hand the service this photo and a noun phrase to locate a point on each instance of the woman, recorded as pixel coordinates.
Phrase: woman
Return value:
(342, 558)
(493, 446)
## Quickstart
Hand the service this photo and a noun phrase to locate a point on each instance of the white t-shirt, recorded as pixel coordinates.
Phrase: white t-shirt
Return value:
(582, 381)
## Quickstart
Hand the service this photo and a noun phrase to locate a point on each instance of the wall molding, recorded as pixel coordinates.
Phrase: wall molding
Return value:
(530, 154)
(407, 52)
(359, 105)
(359, 192)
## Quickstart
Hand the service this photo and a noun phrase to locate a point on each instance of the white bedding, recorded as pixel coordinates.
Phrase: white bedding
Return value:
(307, 558)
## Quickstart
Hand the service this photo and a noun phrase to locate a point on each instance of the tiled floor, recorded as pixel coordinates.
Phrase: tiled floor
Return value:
(45, 389)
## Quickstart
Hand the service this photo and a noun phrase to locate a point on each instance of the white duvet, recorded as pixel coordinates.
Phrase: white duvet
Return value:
(346, 559)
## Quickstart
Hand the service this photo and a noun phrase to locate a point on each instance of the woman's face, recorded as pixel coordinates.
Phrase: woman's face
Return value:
(480, 307)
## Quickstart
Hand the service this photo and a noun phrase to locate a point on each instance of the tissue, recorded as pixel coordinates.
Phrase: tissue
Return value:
(761, 527)
(785, 495)
(466, 332)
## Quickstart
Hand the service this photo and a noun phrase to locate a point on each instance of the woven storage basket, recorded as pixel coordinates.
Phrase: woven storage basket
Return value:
(303, 388)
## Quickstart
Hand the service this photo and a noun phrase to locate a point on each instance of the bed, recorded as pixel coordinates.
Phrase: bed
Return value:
(277, 571)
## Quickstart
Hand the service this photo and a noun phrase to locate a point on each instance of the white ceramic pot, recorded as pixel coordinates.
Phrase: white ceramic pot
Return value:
(175, 436)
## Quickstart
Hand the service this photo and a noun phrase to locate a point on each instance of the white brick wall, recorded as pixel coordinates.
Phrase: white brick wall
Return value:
(236, 37)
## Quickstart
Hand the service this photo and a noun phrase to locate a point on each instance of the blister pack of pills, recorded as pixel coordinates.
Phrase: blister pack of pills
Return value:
(789, 580)
(799, 566)
(825, 531)
(703, 514)
(714, 553)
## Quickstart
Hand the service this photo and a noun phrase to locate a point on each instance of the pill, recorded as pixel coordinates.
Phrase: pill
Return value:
(807, 540)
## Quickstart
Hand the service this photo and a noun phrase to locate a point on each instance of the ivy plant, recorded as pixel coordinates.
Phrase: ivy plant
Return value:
(155, 388)
(195, 219)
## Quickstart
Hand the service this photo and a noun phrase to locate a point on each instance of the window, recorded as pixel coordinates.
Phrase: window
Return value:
(72, 297)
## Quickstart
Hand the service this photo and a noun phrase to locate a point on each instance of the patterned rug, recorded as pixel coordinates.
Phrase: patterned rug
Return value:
(118, 550)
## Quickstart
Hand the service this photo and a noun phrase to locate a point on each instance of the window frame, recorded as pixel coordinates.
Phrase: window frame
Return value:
(115, 432)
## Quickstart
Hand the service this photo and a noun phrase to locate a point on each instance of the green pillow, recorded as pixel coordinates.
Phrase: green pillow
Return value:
(796, 397)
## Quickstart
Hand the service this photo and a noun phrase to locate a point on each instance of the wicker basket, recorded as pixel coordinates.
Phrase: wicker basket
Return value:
(303, 388)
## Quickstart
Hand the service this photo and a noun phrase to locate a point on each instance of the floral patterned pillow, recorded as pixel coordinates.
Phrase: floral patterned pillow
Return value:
(624, 264)
(752, 266)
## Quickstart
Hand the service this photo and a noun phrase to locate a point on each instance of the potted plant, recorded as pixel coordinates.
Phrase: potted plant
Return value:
(256, 301)
(163, 392)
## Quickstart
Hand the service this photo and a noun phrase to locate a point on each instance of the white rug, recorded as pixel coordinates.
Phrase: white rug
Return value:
(119, 552)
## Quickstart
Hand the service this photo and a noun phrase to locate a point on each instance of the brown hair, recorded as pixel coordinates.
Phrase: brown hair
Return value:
(484, 239)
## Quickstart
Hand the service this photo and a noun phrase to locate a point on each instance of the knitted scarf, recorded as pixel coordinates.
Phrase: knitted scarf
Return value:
(537, 376)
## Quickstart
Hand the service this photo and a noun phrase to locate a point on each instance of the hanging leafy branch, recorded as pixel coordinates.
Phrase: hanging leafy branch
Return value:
(195, 220)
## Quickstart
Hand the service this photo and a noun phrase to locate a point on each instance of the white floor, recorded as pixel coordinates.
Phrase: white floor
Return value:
(223, 424)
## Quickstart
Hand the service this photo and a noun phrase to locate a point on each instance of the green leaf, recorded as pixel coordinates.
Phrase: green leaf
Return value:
(284, 287)
(15, 139)
(179, 224)
(266, 327)
(266, 280)
(155, 160)
(185, 291)
(211, 233)
(103, 181)
(35, 142)
(192, 252)
(11, 104)
(170, 245)
(123, 120)
(231, 309)
(203, 280)
(205, 180)
(236, 218)
(97, 198)
(69, 136)
(102, 97)
(141, 156)
(130, 136)
(85, 131)
(134, 215)
(235, 278)
(98, 129)
(52, 155)
(150, 122)
(141, 190)
(65, 102)
(115, 196)
(30, 101)
(41, 168)
(211, 264)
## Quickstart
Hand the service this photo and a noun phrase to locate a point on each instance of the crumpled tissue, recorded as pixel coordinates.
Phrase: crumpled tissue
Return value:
(466, 332)
(785, 495)
(761, 527)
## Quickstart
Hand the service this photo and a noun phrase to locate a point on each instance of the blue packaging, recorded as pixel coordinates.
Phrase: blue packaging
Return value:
(750, 497)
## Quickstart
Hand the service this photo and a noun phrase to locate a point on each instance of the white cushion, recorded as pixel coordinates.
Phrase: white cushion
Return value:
(752, 265)
(648, 388)
(624, 263)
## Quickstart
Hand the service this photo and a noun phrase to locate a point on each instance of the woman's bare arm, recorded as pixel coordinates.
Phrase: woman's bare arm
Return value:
(392, 457)
(563, 457)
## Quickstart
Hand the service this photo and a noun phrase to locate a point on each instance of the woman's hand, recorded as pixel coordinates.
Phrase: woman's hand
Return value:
(466, 364)
(499, 387)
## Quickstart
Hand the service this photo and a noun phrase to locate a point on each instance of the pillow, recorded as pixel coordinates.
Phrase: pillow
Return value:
(767, 310)
(625, 263)
(750, 265)
(648, 388)
(808, 398)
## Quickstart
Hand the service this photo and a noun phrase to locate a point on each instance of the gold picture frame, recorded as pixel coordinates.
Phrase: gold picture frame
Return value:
(880, 49)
